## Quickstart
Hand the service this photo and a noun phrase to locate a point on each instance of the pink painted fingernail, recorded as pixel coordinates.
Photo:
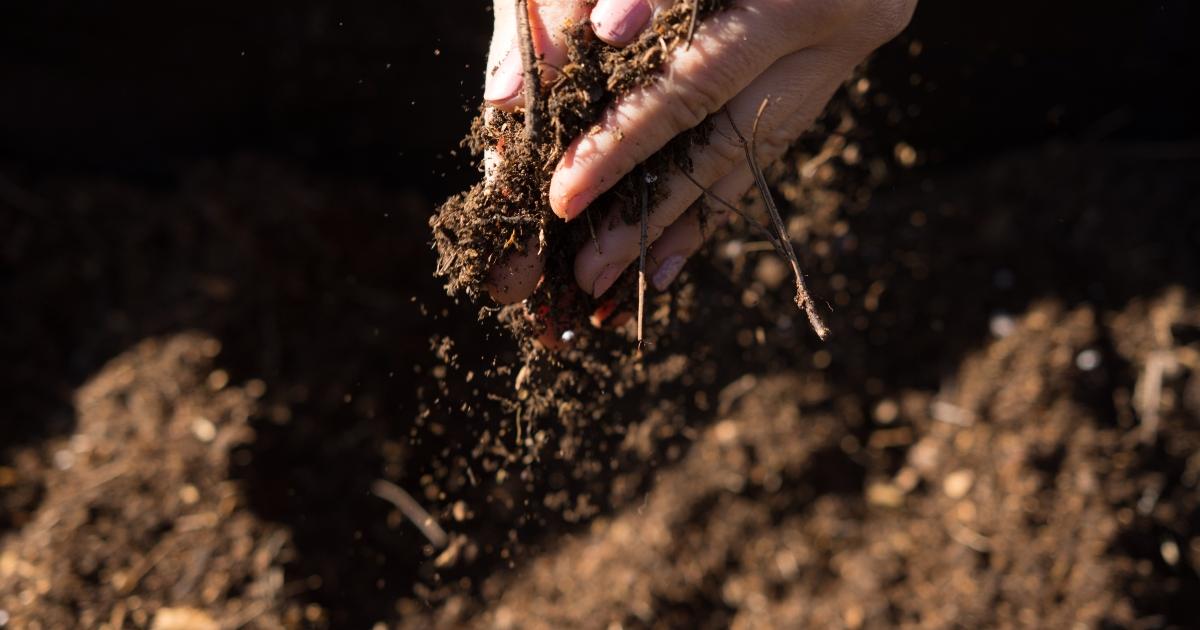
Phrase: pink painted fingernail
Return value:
(506, 80)
(667, 272)
(619, 21)
(605, 280)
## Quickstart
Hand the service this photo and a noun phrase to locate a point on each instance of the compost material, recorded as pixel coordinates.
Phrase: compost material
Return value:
(1001, 431)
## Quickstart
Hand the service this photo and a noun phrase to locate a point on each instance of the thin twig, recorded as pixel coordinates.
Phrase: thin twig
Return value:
(692, 24)
(517, 220)
(533, 75)
(803, 298)
(641, 313)
(412, 510)
(741, 213)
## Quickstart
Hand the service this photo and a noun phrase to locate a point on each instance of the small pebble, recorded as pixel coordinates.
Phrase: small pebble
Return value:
(1088, 360)
(886, 411)
(189, 494)
(204, 429)
(183, 619)
(958, 483)
(64, 459)
(924, 456)
(885, 494)
(217, 380)
(1170, 552)
(1002, 325)
(256, 388)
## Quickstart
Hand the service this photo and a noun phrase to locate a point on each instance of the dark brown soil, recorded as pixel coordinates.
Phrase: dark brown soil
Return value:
(1003, 430)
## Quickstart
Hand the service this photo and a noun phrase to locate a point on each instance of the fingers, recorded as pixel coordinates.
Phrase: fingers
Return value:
(515, 279)
(804, 82)
(547, 20)
(619, 22)
(729, 51)
(685, 237)
(667, 257)
(795, 94)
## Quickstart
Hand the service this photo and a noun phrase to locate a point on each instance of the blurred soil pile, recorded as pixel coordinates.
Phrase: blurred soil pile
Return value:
(1004, 429)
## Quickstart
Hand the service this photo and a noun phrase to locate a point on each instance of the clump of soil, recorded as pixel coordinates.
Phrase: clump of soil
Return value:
(476, 230)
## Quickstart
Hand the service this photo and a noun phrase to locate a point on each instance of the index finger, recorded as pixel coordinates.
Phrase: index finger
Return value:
(730, 51)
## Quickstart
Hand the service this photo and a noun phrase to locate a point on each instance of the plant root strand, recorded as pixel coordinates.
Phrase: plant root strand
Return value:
(533, 78)
(803, 298)
(641, 307)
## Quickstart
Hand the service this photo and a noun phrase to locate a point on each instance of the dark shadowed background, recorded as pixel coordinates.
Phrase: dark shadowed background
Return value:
(264, 171)
(387, 88)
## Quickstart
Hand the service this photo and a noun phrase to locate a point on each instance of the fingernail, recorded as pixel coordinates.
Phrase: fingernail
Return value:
(605, 280)
(574, 206)
(505, 81)
(619, 21)
(667, 271)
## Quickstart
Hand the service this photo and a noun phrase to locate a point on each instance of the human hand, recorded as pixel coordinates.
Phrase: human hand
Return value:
(792, 54)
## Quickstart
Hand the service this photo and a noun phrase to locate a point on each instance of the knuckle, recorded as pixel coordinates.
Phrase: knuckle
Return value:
(811, 18)
(726, 151)
(691, 106)
(697, 94)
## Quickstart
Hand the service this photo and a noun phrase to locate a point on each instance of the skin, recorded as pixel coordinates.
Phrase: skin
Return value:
(792, 53)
